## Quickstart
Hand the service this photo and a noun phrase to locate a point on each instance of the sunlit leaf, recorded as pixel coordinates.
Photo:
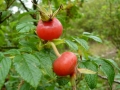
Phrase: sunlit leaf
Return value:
(72, 45)
(95, 38)
(25, 27)
(86, 71)
(82, 42)
(86, 33)
(58, 41)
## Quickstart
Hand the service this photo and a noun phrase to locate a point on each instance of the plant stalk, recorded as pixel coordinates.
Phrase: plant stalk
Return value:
(73, 83)
(55, 49)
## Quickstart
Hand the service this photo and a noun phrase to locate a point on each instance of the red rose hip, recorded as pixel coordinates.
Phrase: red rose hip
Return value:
(49, 30)
(65, 64)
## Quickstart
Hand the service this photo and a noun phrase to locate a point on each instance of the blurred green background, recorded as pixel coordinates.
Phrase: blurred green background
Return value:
(99, 17)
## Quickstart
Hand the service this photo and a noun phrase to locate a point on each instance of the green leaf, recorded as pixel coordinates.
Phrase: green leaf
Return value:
(82, 42)
(86, 71)
(91, 79)
(5, 13)
(26, 86)
(58, 41)
(1, 2)
(2, 38)
(12, 52)
(32, 45)
(25, 27)
(62, 80)
(26, 49)
(113, 63)
(5, 64)
(45, 62)
(27, 66)
(95, 38)
(107, 68)
(86, 33)
(26, 14)
(72, 45)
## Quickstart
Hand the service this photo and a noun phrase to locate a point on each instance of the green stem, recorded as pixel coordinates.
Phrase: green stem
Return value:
(55, 49)
(73, 83)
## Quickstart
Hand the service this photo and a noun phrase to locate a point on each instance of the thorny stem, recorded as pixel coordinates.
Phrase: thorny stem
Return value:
(55, 49)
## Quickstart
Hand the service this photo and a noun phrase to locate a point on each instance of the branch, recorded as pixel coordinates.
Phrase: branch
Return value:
(5, 18)
(20, 84)
(32, 15)
(34, 5)
(105, 78)
(9, 5)
(24, 6)
(12, 47)
(34, 8)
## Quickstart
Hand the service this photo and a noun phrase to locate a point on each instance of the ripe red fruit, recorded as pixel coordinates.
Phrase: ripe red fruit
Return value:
(49, 30)
(65, 64)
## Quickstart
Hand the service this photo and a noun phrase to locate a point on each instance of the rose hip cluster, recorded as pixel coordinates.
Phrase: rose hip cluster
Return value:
(50, 29)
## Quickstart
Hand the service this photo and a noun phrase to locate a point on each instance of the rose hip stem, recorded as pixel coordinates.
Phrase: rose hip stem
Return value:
(55, 49)
(73, 77)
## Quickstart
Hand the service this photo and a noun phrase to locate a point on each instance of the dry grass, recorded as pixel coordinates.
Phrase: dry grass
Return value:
(103, 50)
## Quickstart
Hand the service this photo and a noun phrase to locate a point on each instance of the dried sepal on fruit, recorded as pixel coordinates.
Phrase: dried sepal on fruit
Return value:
(49, 27)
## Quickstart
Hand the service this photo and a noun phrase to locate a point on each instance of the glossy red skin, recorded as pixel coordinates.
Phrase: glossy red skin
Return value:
(65, 64)
(49, 30)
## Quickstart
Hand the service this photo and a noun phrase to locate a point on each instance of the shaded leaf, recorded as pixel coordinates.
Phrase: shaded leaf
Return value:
(26, 86)
(26, 66)
(5, 64)
(45, 62)
(32, 45)
(2, 38)
(12, 52)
